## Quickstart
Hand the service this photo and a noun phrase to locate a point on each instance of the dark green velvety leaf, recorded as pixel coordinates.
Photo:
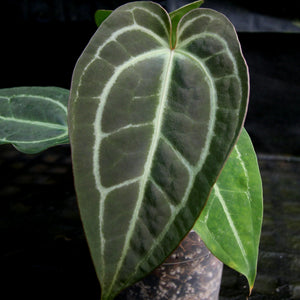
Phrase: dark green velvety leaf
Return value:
(150, 129)
(101, 15)
(230, 223)
(177, 14)
(33, 118)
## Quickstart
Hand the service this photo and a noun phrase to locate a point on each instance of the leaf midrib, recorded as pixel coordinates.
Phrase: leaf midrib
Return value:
(35, 123)
(197, 168)
(100, 135)
(230, 221)
(147, 169)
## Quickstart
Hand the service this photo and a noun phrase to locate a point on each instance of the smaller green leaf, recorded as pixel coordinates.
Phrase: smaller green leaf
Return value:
(101, 15)
(177, 14)
(33, 118)
(230, 224)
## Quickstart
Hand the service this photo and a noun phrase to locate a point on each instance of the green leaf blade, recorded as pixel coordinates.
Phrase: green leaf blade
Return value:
(230, 223)
(33, 118)
(101, 15)
(177, 14)
(145, 154)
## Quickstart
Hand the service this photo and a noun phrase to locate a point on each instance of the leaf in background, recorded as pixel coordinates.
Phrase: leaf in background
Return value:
(230, 223)
(150, 129)
(177, 14)
(33, 118)
(101, 15)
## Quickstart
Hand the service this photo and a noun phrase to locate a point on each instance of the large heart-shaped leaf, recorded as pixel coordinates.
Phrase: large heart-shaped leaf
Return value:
(151, 122)
(230, 223)
(33, 118)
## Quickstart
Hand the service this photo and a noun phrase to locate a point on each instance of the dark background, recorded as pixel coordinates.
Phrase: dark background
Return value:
(43, 253)
(42, 40)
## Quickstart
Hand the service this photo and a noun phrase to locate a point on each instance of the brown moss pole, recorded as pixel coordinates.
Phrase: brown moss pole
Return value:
(190, 273)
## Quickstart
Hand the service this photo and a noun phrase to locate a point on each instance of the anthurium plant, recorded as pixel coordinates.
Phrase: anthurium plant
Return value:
(155, 120)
